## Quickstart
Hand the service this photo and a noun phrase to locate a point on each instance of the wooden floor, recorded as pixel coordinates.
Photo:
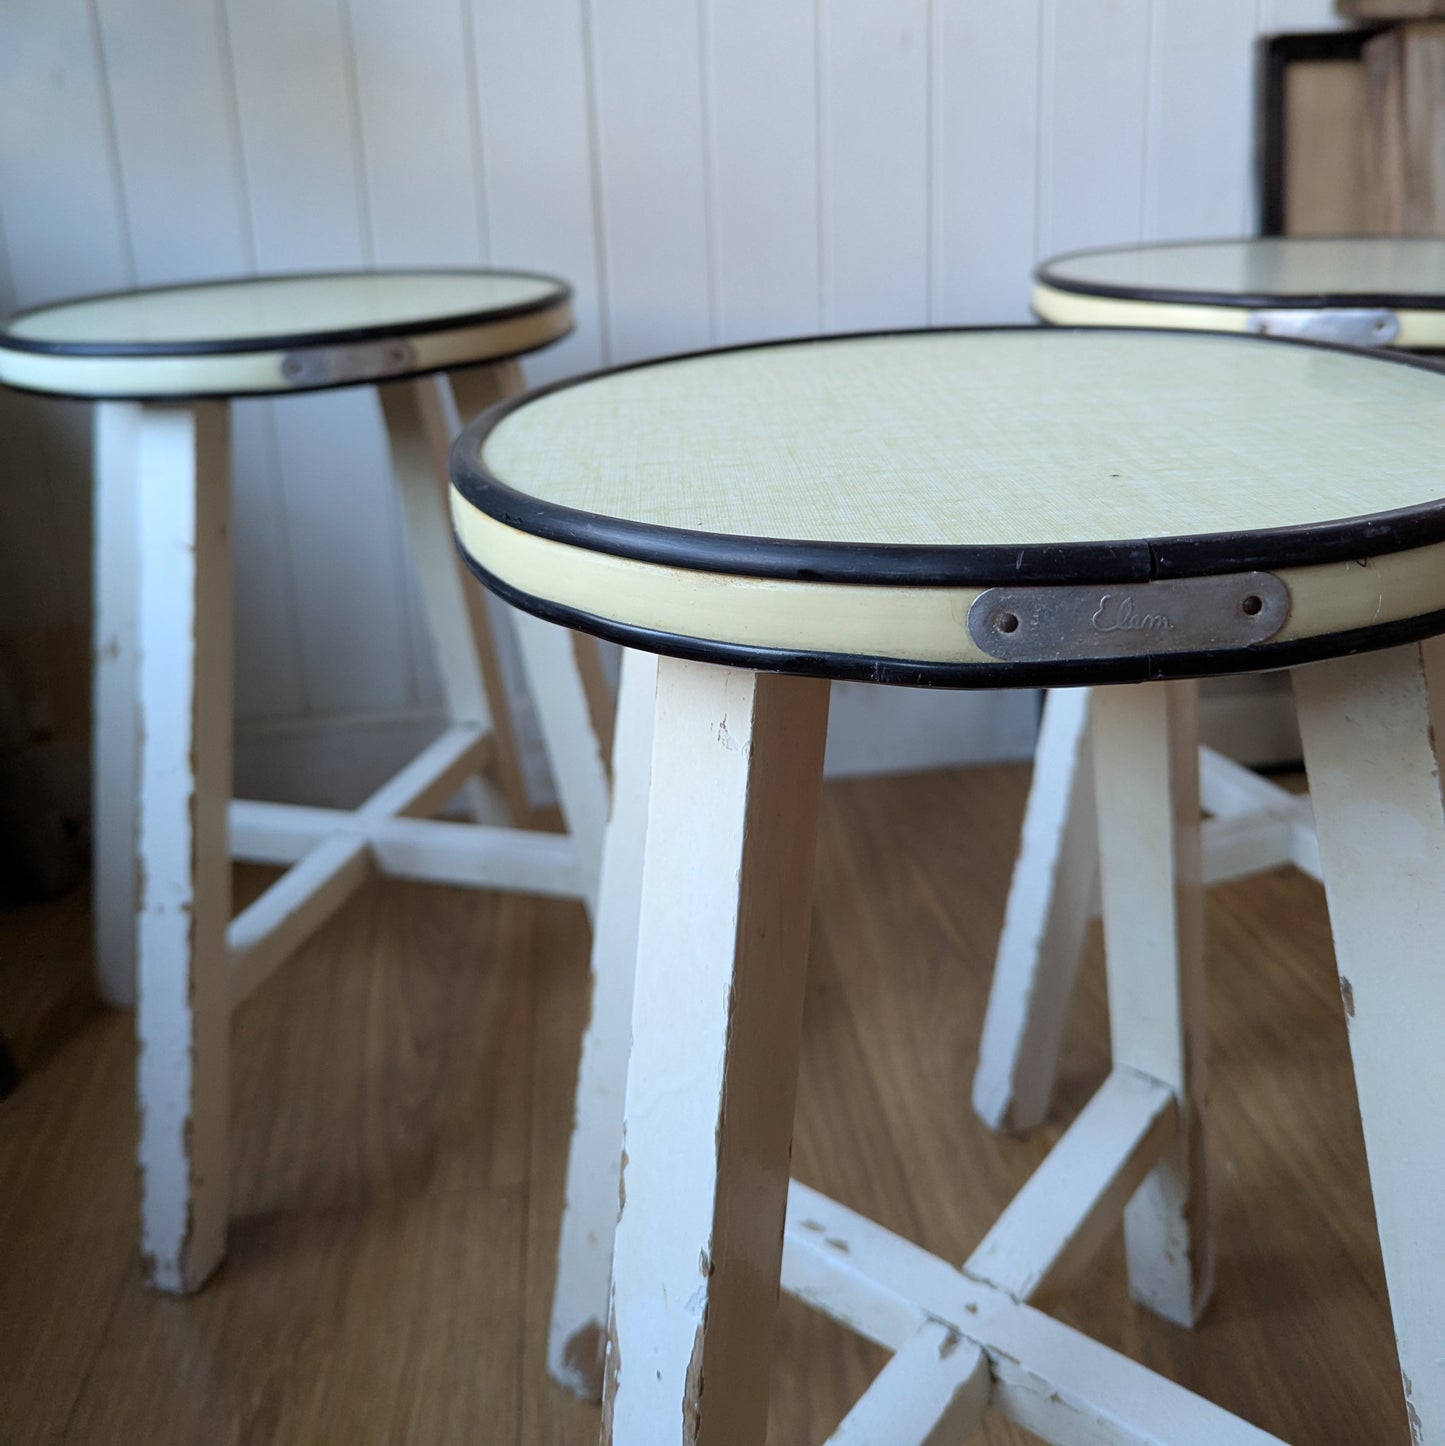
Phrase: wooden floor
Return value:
(401, 1106)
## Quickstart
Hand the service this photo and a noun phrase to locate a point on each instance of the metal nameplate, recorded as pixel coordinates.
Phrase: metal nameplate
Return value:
(1352, 326)
(334, 366)
(1175, 615)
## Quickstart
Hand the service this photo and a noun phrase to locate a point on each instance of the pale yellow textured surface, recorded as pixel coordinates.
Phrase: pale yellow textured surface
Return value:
(987, 438)
(1276, 266)
(280, 306)
(917, 624)
(1417, 330)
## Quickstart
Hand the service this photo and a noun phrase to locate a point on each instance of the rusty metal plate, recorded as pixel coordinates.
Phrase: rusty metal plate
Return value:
(1174, 615)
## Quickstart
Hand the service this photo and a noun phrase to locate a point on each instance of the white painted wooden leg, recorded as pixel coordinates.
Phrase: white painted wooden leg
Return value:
(418, 436)
(1374, 769)
(474, 389)
(736, 769)
(1146, 768)
(1050, 1379)
(185, 724)
(933, 1392)
(1049, 903)
(578, 759)
(115, 752)
(589, 1216)
(574, 752)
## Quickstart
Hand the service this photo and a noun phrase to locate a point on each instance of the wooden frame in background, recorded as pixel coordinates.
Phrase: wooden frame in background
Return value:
(1311, 133)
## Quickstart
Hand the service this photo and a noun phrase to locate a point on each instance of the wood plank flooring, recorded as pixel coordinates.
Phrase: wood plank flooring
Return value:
(401, 1102)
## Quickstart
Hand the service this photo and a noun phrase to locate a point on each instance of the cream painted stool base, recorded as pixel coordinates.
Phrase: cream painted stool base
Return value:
(577, 1334)
(163, 722)
(1253, 826)
(1367, 291)
(780, 516)
(704, 1190)
(726, 885)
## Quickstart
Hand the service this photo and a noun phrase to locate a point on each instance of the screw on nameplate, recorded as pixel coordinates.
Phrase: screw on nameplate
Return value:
(1174, 615)
(1350, 325)
(332, 366)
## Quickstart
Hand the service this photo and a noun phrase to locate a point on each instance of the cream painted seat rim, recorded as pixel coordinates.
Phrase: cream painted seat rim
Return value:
(1419, 330)
(898, 613)
(301, 361)
(890, 633)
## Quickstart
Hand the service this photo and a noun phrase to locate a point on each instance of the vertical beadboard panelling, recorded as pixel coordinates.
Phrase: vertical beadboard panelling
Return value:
(699, 169)
(413, 99)
(875, 138)
(185, 210)
(413, 80)
(647, 63)
(1290, 15)
(530, 86)
(64, 233)
(63, 226)
(531, 90)
(986, 110)
(303, 177)
(1199, 168)
(183, 205)
(762, 123)
(1095, 106)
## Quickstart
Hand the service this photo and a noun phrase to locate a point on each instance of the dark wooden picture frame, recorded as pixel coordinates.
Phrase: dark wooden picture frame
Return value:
(1281, 154)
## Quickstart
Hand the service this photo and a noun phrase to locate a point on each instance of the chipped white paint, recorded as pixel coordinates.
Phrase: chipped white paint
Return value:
(1374, 769)
(932, 1393)
(578, 1330)
(1055, 882)
(1072, 1202)
(184, 689)
(1146, 763)
(717, 1015)
(1046, 1376)
(725, 893)
(115, 745)
(196, 963)
(1256, 826)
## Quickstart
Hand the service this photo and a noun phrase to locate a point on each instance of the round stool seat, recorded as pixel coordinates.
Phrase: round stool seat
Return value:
(1363, 290)
(989, 507)
(280, 333)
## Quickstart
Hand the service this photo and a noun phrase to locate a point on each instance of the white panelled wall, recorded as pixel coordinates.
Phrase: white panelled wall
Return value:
(702, 171)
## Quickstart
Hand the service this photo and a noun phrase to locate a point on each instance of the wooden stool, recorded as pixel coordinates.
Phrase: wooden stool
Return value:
(163, 365)
(979, 509)
(1371, 291)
